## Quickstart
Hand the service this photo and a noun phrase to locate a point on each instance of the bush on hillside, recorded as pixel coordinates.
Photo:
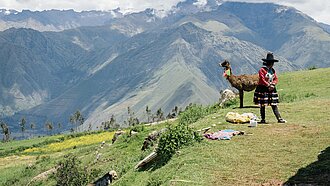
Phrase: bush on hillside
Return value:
(289, 98)
(195, 112)
(71, 173)
(230, 103)
(312, 68)
(174, 138)
(180, 135)
(12, 181)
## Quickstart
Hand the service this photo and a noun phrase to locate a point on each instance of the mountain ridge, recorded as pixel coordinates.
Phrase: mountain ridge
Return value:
(165, 62)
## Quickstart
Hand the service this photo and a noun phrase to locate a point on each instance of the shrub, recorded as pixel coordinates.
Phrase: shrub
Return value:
(180, 135)
(12, 181)
(42, 159)
(138, 128)
(71, 173)
(191, 114)
(230, 103)
(307, 95)
(212, 109)
(194, 112)
(288, 98)
(154, 181)
(174, 138)
(312, 68)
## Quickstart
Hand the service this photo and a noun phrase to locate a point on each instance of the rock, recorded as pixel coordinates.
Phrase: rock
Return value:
(146, 160)
(117, 134)
(106, 179)
(133, 133)
(225, 96)
(44, 175)
(153, 136)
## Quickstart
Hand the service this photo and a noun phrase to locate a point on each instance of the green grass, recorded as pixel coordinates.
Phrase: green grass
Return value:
(267, 154)
(18, 146)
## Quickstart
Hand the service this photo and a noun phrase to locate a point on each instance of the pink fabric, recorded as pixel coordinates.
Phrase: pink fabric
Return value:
(222, 134)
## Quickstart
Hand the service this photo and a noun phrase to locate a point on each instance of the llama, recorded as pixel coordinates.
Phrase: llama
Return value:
(242, 82)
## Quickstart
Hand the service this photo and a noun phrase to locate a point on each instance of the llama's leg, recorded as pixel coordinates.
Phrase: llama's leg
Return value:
(241, 97)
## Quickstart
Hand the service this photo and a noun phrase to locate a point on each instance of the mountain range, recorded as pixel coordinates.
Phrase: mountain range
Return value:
(103, 62)
(54, 20)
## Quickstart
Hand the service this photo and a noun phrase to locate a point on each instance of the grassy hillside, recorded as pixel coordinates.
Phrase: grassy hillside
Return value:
(297, 152)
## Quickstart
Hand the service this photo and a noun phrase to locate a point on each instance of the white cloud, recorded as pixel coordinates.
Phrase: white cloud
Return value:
(80, 5)
(317, 9)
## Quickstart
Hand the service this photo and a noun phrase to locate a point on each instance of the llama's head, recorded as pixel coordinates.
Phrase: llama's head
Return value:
(225, 64)
(226, 68)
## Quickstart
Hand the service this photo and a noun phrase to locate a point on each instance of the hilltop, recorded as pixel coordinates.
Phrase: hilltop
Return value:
(296, 152)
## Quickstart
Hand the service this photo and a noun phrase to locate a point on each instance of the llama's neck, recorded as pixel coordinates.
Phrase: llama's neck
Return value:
(231, 76)
(231, 79)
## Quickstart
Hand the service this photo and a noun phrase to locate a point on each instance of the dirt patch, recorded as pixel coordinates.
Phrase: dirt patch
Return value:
(273, 182)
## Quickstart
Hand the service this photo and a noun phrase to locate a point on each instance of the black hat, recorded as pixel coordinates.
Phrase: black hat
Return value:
(270, 58)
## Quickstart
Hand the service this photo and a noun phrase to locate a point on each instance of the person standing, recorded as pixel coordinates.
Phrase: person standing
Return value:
(265, 93)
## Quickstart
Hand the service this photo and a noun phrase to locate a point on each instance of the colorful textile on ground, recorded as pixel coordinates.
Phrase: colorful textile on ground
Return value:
(223, 134)
(263, 97)
(234, 117)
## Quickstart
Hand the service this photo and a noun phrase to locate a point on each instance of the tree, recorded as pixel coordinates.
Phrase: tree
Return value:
(113, 123)
(130, 118)
(148, 111)
(5, 131)
(49, 126)
(22, 125)
(104, 125)
(175, 110)
(136, 121)
(160, 115)
(89, 127)
(77, 119)
(169, 116)
(32, 126)
(59, 126)
(109, 124)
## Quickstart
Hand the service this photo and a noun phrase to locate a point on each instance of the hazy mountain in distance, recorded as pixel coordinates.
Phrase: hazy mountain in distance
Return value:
(54, 20)
(131, 23)
(31, 65)
(284, 30)
(38, 66)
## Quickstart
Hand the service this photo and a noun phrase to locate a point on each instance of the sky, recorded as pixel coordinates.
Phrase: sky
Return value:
(317, 9)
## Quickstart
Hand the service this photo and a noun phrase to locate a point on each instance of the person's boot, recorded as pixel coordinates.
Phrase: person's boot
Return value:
(281, 120)
(277, 114)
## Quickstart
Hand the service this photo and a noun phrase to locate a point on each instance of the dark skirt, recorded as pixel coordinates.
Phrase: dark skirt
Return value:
(263, 97)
